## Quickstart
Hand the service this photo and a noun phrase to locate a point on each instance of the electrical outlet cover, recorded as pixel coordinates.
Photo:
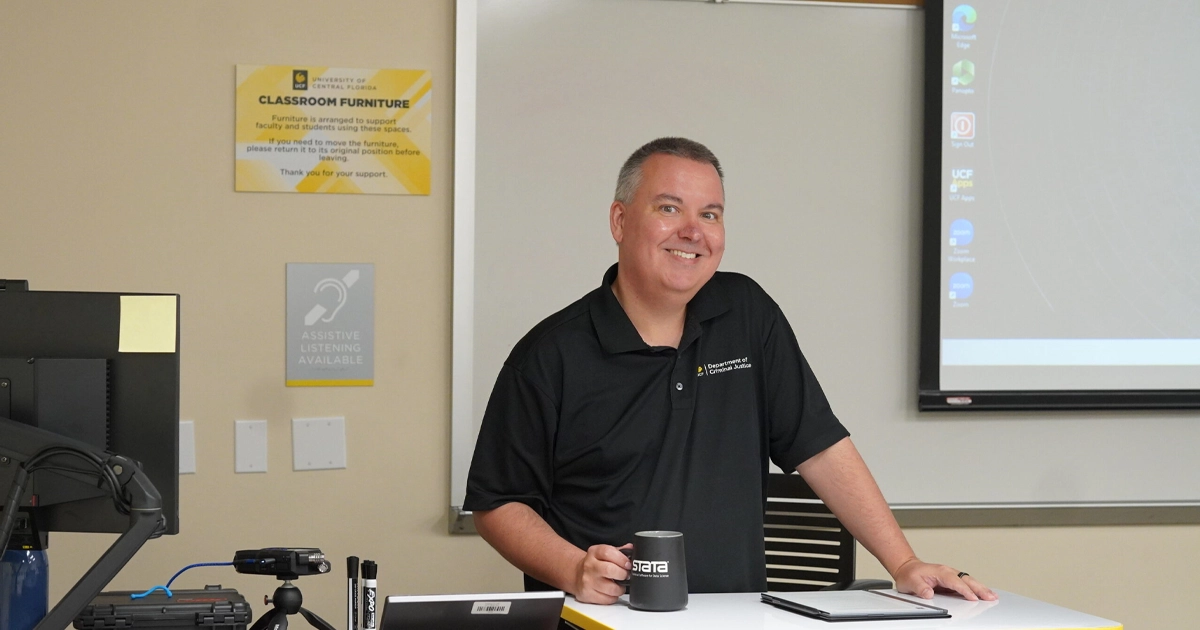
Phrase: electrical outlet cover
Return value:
(318, 443)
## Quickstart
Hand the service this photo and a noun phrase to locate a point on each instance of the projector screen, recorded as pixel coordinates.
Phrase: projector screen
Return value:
(1062, 205)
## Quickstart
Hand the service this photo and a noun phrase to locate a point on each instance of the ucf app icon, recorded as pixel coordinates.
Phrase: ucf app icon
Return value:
(299, 79)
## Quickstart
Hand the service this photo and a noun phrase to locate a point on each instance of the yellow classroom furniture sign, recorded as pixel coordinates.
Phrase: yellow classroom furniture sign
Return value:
(312, 129)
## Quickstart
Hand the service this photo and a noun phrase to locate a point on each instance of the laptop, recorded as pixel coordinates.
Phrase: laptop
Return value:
(487, 611)
(853, 605)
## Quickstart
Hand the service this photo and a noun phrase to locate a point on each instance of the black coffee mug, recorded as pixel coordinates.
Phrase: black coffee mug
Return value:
(658, 580)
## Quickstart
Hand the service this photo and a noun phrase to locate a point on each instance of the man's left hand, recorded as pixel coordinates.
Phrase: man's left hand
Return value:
(922, 579)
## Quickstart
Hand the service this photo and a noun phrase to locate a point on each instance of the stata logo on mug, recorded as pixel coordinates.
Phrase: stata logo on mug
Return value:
(650, 566)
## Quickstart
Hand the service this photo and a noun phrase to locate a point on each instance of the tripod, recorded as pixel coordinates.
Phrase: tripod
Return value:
(288, 600)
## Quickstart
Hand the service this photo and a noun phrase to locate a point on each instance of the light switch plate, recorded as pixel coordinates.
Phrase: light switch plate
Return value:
(187, 447)
(250, 448)
(318, 443)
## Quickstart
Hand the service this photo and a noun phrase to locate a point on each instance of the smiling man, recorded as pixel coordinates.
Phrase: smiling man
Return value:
(655, 402)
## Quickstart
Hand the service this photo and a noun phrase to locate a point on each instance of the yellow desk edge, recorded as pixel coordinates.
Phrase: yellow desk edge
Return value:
(581, 620)
(1116, 627)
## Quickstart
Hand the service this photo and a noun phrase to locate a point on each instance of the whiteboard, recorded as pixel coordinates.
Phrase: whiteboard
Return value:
(815, 113)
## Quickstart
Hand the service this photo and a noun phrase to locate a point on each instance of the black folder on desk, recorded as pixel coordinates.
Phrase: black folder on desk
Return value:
(853, 605)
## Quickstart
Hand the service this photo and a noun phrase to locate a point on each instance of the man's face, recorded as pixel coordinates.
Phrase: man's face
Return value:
(671, 235)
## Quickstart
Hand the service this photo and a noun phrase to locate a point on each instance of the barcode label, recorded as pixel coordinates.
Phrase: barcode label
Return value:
(491, 608)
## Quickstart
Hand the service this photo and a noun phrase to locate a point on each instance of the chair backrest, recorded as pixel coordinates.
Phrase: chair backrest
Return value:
(807, 547)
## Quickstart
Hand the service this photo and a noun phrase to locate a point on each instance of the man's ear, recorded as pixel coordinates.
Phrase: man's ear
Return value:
(616, 221)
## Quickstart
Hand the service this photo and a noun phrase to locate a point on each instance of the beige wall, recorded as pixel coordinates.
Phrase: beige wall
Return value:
(116, 161)
(117, 149)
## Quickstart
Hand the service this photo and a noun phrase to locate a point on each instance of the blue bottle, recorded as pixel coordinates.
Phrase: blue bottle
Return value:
(24, 578)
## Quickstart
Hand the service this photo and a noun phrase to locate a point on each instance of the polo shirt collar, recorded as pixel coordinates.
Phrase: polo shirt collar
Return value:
(617, 334)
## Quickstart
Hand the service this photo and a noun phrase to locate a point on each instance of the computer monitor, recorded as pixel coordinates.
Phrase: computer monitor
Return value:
(63, 370)
(89, 421)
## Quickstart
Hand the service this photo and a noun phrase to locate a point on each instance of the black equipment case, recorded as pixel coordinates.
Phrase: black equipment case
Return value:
(213, 608)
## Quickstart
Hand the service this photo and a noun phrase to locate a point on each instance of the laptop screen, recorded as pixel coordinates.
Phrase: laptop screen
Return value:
(487, 611)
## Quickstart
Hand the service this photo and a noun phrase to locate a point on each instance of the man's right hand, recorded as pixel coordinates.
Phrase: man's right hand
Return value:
(596, 574)
(524, 539)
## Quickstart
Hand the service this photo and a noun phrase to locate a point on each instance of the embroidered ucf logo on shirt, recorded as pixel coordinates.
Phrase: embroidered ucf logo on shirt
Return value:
(712, 369)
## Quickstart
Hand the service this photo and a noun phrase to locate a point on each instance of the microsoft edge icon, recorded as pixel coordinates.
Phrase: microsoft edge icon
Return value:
(963, 18)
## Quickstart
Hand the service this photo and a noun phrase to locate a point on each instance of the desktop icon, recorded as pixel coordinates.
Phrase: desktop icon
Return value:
(963, 18)
(962, 179)
(962, 232)
(962, 285)
(962, 73)
(962, 125)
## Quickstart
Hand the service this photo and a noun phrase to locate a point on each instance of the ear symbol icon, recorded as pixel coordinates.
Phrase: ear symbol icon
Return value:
(341, 288)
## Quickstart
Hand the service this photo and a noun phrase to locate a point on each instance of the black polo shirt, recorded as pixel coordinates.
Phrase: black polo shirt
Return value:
(604, 436)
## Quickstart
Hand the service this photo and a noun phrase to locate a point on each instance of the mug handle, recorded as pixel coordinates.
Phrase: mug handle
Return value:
(628, 554)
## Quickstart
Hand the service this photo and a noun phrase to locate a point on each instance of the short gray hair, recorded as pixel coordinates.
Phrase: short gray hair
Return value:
(630, 176)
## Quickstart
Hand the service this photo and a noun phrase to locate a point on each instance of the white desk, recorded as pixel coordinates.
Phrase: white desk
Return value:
(724, 611)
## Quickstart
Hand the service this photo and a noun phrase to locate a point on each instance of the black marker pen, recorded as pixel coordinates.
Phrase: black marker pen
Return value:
(369, 569)
(352, 593)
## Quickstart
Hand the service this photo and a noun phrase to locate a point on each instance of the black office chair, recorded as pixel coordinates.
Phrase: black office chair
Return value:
(807, 547)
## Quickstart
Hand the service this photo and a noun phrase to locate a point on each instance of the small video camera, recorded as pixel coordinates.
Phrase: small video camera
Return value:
(283, 562)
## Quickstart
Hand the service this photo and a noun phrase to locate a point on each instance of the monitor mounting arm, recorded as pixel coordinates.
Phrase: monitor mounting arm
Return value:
(22, 443)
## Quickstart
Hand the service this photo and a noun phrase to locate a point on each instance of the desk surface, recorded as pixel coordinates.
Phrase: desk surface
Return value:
(745, 610)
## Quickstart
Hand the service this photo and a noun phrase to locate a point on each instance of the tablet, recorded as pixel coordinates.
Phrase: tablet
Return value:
(487, 611)
(853, 605)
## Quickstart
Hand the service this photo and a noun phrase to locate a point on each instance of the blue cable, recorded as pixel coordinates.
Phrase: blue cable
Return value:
(160, 586)
(167, 588)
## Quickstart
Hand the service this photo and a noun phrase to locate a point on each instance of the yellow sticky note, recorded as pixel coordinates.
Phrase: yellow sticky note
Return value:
(148, 323)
